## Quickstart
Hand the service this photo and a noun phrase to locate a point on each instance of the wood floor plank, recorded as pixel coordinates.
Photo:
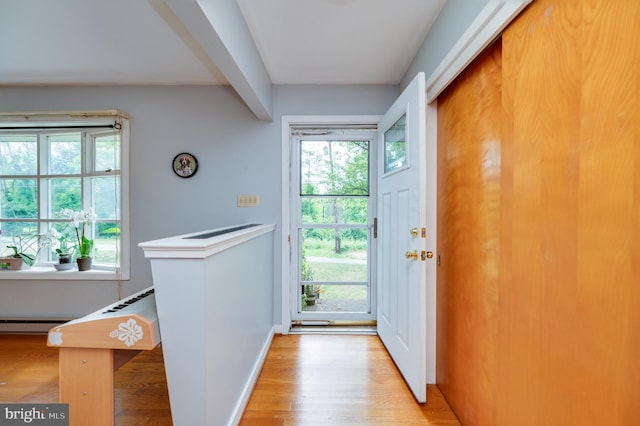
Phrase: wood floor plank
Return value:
(337, 380)
(307, 380)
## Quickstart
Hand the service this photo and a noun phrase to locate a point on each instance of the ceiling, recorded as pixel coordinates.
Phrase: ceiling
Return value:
(137, 42)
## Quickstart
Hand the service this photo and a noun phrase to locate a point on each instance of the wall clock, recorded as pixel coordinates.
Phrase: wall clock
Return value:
(184, 165)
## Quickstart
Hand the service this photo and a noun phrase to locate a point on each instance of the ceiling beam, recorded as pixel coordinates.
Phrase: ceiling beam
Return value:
(220, 31)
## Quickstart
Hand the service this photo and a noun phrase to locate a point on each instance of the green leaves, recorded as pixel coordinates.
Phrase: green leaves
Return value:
(86, 247)
(26, 258)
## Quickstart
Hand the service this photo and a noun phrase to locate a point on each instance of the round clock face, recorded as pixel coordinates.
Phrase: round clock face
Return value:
(185, 165)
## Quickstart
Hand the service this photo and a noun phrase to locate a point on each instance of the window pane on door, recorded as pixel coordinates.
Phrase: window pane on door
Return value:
(395, 146)
(335, 254)
(334, 210)
(337, 298)
(334, 168)
(334, 270)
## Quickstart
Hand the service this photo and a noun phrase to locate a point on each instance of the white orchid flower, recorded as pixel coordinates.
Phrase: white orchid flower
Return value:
(50, 239)
(90, 216)
(80, 219)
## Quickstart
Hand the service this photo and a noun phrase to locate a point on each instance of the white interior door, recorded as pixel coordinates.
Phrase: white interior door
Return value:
(402, 255)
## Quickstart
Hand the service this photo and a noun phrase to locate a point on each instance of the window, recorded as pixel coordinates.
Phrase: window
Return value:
(51, 162)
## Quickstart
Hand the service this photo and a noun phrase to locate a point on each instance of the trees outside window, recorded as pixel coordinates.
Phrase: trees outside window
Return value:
(334, 202)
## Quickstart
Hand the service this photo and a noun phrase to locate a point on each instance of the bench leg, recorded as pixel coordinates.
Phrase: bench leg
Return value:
(86, 384)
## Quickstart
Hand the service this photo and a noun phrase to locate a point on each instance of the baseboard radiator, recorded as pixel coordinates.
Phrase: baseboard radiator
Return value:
(36, 325)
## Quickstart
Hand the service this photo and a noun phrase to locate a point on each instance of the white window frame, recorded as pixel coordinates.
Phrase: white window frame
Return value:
(53, 120)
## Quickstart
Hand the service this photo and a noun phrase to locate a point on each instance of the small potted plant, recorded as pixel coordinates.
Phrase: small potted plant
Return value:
(25, 250)
(64, 256)
(58, 242)
(81, 220)
(311, 294)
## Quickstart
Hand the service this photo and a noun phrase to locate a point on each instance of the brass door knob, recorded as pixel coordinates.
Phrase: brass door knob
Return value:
(412, 255)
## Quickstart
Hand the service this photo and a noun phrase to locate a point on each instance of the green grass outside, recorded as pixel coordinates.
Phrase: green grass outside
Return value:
(343, 292)
(330, 271)
(350, 249)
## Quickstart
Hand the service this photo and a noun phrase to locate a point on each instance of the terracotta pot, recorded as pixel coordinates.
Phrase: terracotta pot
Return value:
(12, 263)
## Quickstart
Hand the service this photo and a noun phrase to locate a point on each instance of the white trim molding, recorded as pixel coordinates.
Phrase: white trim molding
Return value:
(489, 23)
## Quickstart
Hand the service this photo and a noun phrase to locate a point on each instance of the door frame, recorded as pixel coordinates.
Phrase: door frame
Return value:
(286, 254)
(431, 222)
(431, 196)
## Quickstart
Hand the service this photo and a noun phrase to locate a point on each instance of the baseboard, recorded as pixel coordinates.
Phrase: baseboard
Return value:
(280, 329)
(253, 379)
(29, 325)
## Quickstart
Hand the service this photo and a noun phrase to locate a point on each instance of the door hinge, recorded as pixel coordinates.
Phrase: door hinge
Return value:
(375, 227)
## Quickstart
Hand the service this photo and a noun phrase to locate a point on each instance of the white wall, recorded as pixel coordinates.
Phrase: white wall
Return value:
(237, 154)
(454, 19)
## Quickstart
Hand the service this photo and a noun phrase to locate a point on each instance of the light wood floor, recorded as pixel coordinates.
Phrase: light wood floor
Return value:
(306, 380)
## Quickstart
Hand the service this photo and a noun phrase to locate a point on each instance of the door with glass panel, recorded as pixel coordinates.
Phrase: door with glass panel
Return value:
(333, 209)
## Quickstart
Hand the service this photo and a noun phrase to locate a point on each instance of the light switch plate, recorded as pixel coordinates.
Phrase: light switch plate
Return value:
(248, 200)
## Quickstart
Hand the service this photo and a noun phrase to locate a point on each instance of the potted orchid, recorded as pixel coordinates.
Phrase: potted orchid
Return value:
(81, 220)
(58, 241)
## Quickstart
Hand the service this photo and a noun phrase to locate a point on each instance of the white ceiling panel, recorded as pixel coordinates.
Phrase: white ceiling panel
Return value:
(129, 42)
(338, 41)
(94, 42)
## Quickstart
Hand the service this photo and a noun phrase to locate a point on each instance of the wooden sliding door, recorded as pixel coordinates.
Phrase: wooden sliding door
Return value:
(469, 143)
(539, 222)
(570, 264)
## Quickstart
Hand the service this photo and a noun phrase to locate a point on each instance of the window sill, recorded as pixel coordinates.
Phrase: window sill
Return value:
(50, 273)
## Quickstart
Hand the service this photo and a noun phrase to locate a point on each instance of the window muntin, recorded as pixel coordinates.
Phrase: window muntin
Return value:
(44, 171)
